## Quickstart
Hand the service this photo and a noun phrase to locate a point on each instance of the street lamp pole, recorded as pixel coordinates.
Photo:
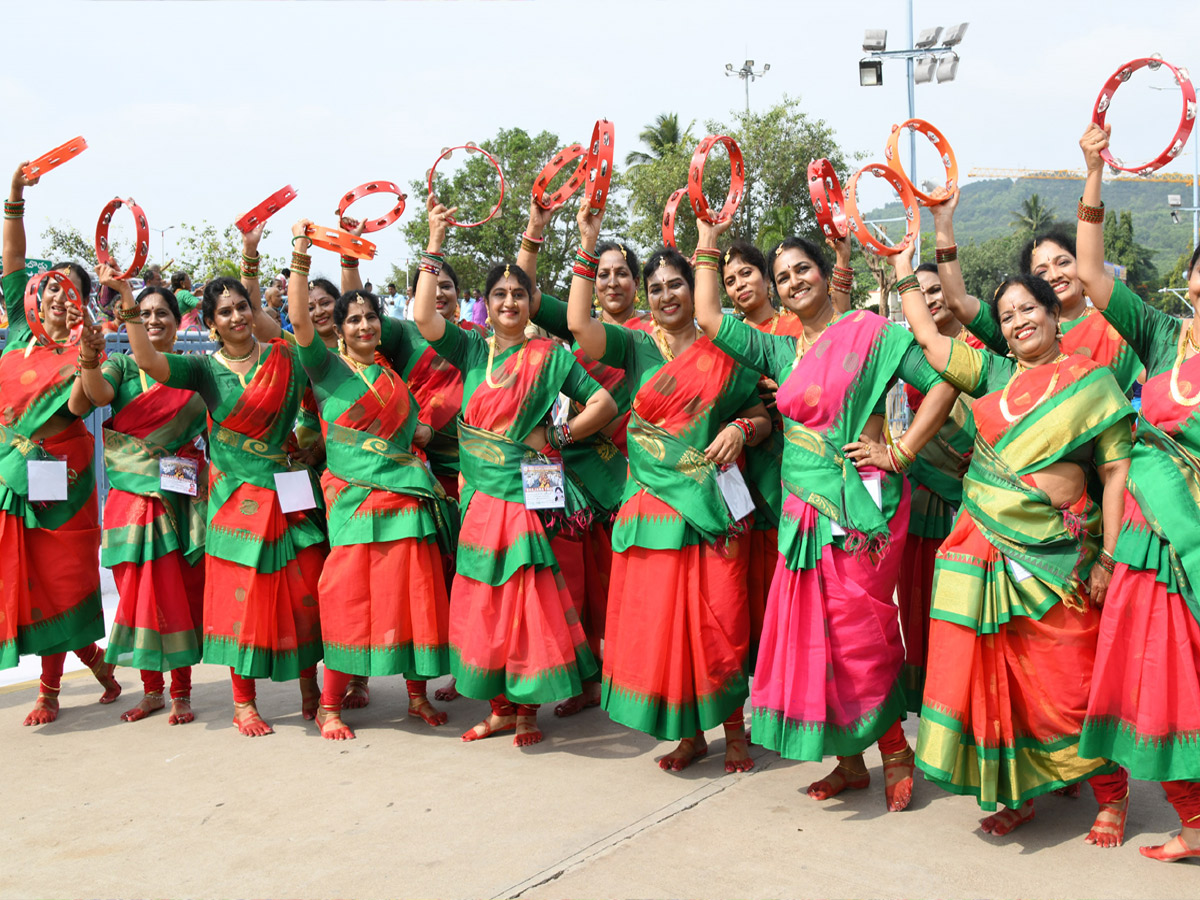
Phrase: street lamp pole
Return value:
(162, 244)
(747, 74)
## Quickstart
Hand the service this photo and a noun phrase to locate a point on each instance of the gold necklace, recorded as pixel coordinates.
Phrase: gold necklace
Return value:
(1004, 410)
(487, 374)
(241, 376)
(1191, 340)
(361, 368)
(803, 344)
(774, 321)
(236, 359)
(664, 346)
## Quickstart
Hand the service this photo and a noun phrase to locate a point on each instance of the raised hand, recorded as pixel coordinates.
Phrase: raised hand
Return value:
(1094, 140)
(300, 230)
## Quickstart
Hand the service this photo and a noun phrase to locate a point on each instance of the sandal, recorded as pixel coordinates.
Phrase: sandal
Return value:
(1163, 855)
(842, 778)
(253, 724)
(329, 717)
(419, 707)
(501, 709)
(898, 778)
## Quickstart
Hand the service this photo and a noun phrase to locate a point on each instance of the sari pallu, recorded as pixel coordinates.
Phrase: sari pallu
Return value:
(676, 656)
(514, 630)
(262, 565)
(384, 608)
(1012, 628)
(153, 538)
(49, 578)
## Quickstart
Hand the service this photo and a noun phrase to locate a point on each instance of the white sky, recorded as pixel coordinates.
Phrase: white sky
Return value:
(201, 109)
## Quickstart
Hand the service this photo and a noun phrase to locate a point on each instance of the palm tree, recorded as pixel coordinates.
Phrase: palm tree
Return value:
(661, 137)
(1033, 216)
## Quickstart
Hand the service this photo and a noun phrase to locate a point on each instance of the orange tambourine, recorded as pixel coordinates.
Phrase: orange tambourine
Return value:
(825, 191)
(55, 158)
(552, 168)
(1183, 130)
(892, 154)
(374, 187)
(142, 242)
(670, 213)
(33, 315)
(339, 241)
(599, 165)
(470, 148)
(903, 188)
(737, 179)
(266, 209)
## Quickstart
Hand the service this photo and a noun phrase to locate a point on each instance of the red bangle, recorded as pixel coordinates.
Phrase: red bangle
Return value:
(825, 192)
(1186, 120)
(1093, 215)
(33, 315)
(599, 166)
(54, 158)
(945, 151)
(340, 241)
(902, 187)
(142, 245)
(946, 254)
(737, 179)
(374, 187)
(266, 209)
(542, 183)
(470, 148)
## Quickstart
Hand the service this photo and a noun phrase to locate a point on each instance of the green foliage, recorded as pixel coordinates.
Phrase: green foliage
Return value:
(1033, 218)
(474, 187)
(206, 253)
(1121, 248)
(65, 243)
(662, 138)
(987, 263)
(1173, 284)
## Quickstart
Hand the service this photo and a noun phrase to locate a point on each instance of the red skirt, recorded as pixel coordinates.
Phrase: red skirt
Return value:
(384, 609)
(914, 589)
(158, 621)
(764, 553)
(677, 640)
(586, 565)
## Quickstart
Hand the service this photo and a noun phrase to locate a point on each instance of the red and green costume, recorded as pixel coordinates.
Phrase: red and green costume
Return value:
(153, 538)
(678, 630)
(49, 572)
(261, 615)
(514, 631)
(1144, 709)
(1012, 637)
(384, 608)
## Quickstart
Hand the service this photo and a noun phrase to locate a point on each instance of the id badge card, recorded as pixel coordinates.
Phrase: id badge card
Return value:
(179, 475)
(544, 485)
(294, 490)
(734, 491)
(1019, 572)
(47, 480)
(873, 482)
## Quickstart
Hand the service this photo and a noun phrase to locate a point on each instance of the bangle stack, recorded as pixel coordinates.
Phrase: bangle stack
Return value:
(560, 436)
(133, 314)
(301, 262)
(946, 254)
(842, 279)
(92, 363)
(250, 265)
(432, 263)
(531, 245)
(349, 262)
(908, 283)
(708, 258)
(14, 209)
(585, 264)
(747, 427)
(1092, 215)
(1106, 562)
(902, 458)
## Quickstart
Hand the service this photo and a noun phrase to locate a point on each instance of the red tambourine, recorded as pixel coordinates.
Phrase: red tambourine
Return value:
(1186, 120)
(142, 247)
(55, 158)
(892, 154)
(670, 214)
(266, 209)
(825, 191)
(339, 241)
(552, 168)
(374, 187)
(903, 188)
(33, 315)
(599, 165)
(737, 179)
(470, 148)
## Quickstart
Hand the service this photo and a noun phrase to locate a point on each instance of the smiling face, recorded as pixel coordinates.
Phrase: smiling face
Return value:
(745, 286)
(232, 318)
(508, 307)
(801, 286)
(320, 310)
(1193, 285)
(931, 288)
(360, 329)
(160, 323)
(1030, 329)
(1056, 265)
(615, 286)
(670, 298)
(446, 299)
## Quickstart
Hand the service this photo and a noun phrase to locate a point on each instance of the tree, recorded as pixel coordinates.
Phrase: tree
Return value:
(1033, 217)
(67, 243)
(474, 188)
(1166, 298)
(1120, 248)
(206, 253)
(662, 138)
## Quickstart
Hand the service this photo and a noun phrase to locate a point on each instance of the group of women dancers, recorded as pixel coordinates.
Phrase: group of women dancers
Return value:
(371, 492)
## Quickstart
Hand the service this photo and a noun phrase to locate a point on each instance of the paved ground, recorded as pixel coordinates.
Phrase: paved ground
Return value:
(96, 807)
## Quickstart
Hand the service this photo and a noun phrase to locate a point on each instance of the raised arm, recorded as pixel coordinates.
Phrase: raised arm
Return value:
(14, 225)
(841, 247)
(149, 360)
(302, 325)
(424, 312)
(707, 295)
(531, 244)
(1089, 232)
(94, 385)
(935, 344)
(954, 289)
(588, 332)
(250, 261)
(351, 279)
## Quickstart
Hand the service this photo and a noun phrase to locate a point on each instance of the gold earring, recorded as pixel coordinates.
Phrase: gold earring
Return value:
(341, 344)
(212, 334)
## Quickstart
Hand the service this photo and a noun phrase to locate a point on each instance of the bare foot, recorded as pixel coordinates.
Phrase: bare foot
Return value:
(898, 779)
(332, 727)
(181, 711)
(1007, 819)
(737, 756)
(850, 774)
(358, 694)
(577, 704)
(447, 693)
(248, 721)
(1184, 845)
(150, 703)
(310, 697)
(104, 674)
(44, 711)
(493, 724)
(688, 751)
(1109, 828)
(527, 731)
(419, 707)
